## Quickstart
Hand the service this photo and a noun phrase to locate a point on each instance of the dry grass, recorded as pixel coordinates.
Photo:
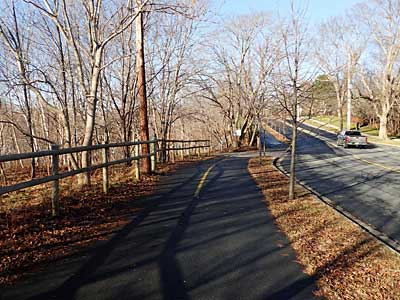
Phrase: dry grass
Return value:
(347, 262)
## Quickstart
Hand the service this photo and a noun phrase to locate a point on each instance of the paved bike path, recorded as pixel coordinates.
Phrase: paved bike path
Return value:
(222, 244)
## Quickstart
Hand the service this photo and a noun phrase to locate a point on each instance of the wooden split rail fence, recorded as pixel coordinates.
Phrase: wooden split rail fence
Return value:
(169, 150)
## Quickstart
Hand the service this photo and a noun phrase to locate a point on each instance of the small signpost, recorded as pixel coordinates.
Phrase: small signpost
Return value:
(237, 132)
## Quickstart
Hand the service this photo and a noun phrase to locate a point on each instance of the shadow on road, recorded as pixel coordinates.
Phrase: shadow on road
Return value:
(361, 187)
(69, 288)
(172, 279)
(222, 245)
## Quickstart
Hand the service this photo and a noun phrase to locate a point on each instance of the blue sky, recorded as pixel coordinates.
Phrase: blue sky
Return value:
(318, 10)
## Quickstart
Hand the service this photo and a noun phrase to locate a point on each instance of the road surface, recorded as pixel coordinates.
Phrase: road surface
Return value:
(364, 182)
(205, 235)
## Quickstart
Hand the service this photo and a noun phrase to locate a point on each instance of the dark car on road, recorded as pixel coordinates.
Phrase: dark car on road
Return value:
(348, 138)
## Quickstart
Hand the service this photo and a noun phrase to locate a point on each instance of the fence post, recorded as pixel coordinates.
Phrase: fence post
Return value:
(189, 150)
(182, 150)
(173, 152)
(166, 151)
(105, 169)
(163, 157)
(199, 150)
(209, 148)
(55, 205)
(137, 163)
(154, 155)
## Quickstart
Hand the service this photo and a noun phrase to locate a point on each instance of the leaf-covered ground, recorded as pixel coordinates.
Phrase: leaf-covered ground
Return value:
(30, 238)
(347, 262)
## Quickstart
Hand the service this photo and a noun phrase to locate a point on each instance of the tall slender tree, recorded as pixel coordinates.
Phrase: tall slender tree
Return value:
(293, 77)
(142, 96)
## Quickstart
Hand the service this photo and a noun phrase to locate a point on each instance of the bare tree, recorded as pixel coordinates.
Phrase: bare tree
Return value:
(172, 68)
(88, 52)
(120, 89)
(18, 45)
(237, 79)
(339, 50)
(381, 79)
(293, 77)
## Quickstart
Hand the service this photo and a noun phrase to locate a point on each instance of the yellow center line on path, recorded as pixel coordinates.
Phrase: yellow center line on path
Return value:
(203, 180)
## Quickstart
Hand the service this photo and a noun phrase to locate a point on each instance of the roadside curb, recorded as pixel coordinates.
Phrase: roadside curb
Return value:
(391, 244)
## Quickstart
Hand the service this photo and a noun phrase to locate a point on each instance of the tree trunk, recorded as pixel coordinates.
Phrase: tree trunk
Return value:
(14, 136)
(340, 115)
(292, 178)
(253, 136)
(349, 100)
(91, 114)
(30, 128)
(383, 120)
(142, 97)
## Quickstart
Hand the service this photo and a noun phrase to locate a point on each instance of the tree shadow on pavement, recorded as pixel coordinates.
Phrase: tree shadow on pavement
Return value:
(222, 245)
(172, 279)
(69, 288)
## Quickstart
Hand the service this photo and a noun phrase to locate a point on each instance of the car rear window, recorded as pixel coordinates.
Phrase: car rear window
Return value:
(353, 133)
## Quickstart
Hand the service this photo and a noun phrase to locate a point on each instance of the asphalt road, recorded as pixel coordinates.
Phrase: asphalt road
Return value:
(222, 244)
(364, 182)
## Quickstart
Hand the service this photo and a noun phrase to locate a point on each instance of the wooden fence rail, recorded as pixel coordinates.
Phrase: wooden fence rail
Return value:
(55, 152)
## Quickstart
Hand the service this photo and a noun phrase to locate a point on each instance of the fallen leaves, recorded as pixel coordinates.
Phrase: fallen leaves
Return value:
(30, 238)
(348, 263)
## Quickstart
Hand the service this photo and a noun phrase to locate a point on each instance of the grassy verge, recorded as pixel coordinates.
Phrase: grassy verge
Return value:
(370, 131)
(331, 120)
(347, 262)
(326, 126)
